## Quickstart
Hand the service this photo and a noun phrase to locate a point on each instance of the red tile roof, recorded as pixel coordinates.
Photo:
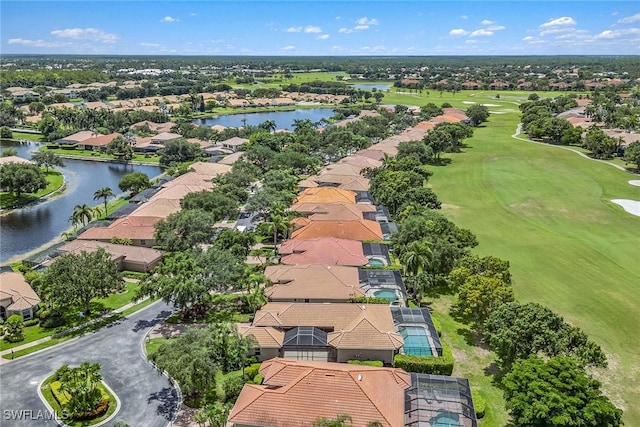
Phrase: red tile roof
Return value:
(296, 393)
(353, 230)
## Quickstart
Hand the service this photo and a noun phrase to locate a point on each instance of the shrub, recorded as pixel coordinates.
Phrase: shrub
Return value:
(232, 385)
(369, 300)
(102, 407)
(31, 322)
(438, 326)
(479, 404)
(50, 319)
(62, 397)
(426, 364)
(251, 371)
(14, 327)
(377, 363)
(258, 379)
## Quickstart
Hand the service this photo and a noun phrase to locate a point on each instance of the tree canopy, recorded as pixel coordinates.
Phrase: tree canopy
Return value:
(515, 331)
(21, 178)
(185, 229)
(72, 281)
(556, 393)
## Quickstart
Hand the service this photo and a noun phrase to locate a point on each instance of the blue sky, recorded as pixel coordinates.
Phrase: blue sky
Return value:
(320, 27)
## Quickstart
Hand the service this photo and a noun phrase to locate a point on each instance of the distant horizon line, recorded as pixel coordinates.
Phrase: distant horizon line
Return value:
(608, 55)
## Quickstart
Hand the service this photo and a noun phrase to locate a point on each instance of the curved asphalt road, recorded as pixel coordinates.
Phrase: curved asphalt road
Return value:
(147, 397)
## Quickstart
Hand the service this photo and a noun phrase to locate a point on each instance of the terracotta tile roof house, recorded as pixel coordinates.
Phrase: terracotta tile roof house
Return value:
(306, 183)
(155, 127)
(388, 147)
(324, 251)
(17, 296)
(360, 161)
(97, 105)
(234, 143)
(341, 169)
(456, 113)
(353, 230)
(203, 144)
(159, 208)
(326, 195)
(163, 137)
(140, 229)
(296, 393)
(498, 84)
(268, 339)
(471, 85)
(333, 211)
(231, 158)
(351, 331)
(76, 138)
(312, 283)
(372, 153)
(132, 258)
(345, 182)
(15, 159)
(99, 141)
(209, 170)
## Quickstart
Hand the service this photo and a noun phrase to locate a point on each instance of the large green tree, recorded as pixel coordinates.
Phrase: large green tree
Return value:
(480, 296)
(81, 384)
(477, 113)
(213, 201)
(556, 393)
(72, 281)
(21, 178)
(134, 182)
(632, 154)
(178, 151)
(188, 279)
(47, 159)
(515, 331)
(185, 229)
(487, 266)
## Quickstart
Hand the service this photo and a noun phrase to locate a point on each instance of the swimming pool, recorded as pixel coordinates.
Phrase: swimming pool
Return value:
(416, 341)
(374, 262)
(446, 420)
(389, 294)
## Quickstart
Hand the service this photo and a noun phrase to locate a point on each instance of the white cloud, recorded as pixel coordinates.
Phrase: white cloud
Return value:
(564, 21)
(169, 20)
(629, 19)
(361, 27)
(366, 21)
(528, 39)
(310, 29)
(471, 41)
(149, 44)
(293, 29)
(85, 34)
(193, 14)
(338, 18)
(487, 22)
(345, 30)
(495, 28)
(458, 32)
(557, 31)
(464, 17)
(323, 37)
(609, 34)
(34, 43)
(288, 47)
(481, 33)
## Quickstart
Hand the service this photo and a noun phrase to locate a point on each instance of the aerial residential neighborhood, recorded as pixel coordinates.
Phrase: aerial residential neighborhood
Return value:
(283, 214)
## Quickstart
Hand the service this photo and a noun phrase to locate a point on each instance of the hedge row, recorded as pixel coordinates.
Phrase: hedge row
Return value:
(426, 364)
(376, 363)
(479, 404)
(62, 397)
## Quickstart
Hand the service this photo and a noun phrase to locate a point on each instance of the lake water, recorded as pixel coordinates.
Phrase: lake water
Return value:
(26, 229)
(283, 119)
(369, 86)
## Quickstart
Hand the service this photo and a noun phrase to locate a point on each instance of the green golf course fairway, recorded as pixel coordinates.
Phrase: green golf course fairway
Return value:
(548, 211)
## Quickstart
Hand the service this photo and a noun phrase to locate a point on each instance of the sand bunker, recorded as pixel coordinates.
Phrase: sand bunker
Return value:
(497, 112)
(635, 182)
(631, 206)
(486, 105)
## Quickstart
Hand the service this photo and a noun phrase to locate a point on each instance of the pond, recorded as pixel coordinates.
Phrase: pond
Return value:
(283, 119)
(29, 228)
(369, 86)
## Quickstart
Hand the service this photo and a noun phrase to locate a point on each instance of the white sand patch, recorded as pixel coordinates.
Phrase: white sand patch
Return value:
(486, 105)
(497, 112)
(635, 182)
(469, 102)
(631, 206)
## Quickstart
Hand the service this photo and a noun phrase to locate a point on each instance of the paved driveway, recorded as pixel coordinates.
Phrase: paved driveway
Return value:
(147, 397)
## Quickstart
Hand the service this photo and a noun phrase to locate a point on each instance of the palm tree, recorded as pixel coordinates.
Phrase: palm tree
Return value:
(416, 260)
(275, 225)
(103, 193)
(268, 125)
(82, 213)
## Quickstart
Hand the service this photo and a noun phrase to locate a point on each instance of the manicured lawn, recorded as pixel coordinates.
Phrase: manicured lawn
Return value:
(96, 155)
(152, 345)
(471, 359)
(547, 211)
(114, 301)
(28, 136)
(54, 181)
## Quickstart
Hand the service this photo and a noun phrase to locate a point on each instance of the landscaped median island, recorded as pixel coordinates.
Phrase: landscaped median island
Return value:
(78, 396)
